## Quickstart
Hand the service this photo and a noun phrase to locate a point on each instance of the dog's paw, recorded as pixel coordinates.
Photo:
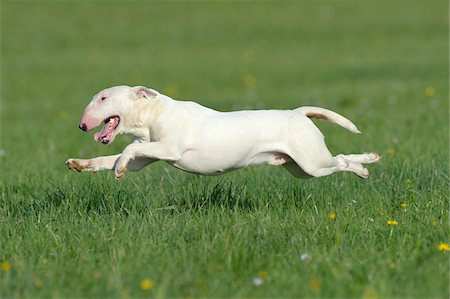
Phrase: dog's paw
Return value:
(78, 165)
(363, 173)
(372, 158)
(75, 165)
(119, 173)
(121, 166)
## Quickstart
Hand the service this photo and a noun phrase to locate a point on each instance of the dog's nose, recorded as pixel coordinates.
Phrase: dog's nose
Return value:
(83, 127)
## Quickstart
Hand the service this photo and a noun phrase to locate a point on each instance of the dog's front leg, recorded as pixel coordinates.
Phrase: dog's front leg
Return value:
(152, 150)
(105, 163)
(94, 164)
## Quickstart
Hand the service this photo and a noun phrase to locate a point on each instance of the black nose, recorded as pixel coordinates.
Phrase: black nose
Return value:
(83, 127)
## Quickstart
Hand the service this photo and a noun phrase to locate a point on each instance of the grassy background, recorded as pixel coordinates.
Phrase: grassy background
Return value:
(382, 64)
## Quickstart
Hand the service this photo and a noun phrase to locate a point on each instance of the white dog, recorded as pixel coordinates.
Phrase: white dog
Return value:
(201, 140)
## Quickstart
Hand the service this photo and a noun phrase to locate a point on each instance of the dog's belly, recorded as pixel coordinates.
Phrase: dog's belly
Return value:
(206, 162)
(215, 163)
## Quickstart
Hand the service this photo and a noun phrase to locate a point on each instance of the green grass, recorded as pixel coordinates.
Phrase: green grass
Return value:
(86, 235)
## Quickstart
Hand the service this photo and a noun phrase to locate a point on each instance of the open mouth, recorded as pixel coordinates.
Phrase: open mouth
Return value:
(107, 134)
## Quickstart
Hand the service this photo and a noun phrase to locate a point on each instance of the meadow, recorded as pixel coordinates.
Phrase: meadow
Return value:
(252, 233)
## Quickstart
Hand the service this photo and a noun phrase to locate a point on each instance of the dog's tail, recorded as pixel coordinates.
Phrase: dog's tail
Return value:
(321, 113)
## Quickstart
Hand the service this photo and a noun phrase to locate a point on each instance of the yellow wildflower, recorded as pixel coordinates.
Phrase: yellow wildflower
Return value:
(171, 90)
(332, 216)
(444, 247)
(392, 265)
(5, 266)
(314, 285)
(63, 114)
(263, 275)
(404, 205)
(390, 151)
(429, 91)
(146, 284)
(249, 80)
(433, 222)
(370, 294)
(392, 222)
(37, 282)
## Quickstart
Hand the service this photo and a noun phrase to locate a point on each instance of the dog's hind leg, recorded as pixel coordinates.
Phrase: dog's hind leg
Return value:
(316, 160)
(366, 158)
(296, 170)
(357, 168)
(308, 150)
(336, 164)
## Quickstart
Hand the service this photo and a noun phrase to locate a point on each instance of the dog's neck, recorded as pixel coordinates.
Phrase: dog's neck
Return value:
(144, 120)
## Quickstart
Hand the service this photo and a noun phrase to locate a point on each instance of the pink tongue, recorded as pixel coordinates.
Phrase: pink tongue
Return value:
(106, 135)
(99, 135)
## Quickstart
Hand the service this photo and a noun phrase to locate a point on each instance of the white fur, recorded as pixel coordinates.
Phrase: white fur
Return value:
(201, 140)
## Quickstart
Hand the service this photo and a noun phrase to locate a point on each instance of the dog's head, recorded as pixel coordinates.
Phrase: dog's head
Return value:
(116, 108)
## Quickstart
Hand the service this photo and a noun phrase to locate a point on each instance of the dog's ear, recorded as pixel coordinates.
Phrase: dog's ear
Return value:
(145, 92)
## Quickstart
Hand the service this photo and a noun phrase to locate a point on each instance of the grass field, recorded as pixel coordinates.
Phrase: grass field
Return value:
(256, 232)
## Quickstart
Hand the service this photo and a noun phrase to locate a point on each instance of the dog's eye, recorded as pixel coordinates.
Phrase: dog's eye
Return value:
(103, 98)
